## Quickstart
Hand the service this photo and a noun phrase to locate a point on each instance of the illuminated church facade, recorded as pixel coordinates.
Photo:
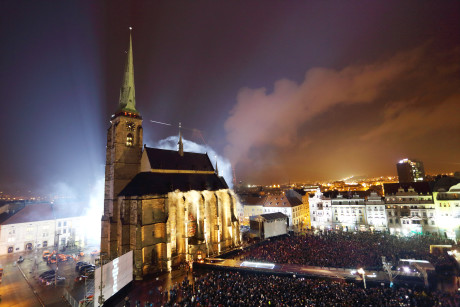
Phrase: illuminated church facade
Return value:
(166, 206)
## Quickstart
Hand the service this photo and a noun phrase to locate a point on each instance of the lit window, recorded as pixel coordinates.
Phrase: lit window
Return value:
(129, 140)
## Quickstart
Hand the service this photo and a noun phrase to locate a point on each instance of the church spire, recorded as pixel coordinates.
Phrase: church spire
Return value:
(181, 145)
(127, 93)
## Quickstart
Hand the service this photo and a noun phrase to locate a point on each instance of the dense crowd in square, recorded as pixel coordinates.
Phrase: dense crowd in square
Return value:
(347, 250)
(220, 288)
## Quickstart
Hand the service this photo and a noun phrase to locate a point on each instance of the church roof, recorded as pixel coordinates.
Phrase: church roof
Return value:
(148, 183)
(171, 160)
(127, 100)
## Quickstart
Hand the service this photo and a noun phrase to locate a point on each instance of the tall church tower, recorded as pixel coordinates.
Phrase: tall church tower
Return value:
(123, 156)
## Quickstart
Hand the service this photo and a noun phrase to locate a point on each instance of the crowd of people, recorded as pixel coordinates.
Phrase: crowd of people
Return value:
(218, 288)
(331, 249)
(346, 250)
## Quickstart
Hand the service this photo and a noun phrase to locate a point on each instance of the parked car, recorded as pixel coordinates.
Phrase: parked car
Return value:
(83, 277)
(86, 268)
(63, 257)
(43, 277)
(20, 259)
(88, 271)
(80, 264)
(80, 278)
(46, 254)
(54, 279)
(47, 273)
(51, 259)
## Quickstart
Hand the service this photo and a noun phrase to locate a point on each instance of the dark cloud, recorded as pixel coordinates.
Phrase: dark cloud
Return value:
(389, 104)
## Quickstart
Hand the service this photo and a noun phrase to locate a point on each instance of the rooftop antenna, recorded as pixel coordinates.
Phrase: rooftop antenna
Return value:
(181, 145)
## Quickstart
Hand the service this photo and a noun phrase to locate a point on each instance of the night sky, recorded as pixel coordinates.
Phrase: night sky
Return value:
(286, 90)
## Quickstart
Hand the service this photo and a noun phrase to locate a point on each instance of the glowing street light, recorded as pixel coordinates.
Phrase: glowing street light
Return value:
(362, 272)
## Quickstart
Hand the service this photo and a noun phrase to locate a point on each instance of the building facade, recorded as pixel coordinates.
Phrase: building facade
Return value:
(306, 223)
(447, 211)
(41, 226)
(348, 214)
(376, 213)
(410, 208)
(252, 206)
(320, 211)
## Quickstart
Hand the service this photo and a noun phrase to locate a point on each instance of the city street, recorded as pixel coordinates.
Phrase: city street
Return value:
(21, 287)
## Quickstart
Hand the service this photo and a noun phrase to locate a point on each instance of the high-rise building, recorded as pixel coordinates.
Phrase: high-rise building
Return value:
(410, 171)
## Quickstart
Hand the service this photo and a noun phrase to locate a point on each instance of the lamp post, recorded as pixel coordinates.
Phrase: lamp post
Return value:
(101, 299)
(362, 272)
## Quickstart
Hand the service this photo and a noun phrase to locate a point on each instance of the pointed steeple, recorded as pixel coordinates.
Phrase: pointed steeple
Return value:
(217, 170)
(127, 93)
(181, 145)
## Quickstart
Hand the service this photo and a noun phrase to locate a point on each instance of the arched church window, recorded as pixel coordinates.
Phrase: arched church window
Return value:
(129, 140)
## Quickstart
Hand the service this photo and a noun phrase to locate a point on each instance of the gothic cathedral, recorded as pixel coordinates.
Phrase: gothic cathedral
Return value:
(167, 206)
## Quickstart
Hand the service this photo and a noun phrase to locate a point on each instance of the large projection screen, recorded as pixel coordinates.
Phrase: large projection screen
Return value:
(275, 228)
(115, 275)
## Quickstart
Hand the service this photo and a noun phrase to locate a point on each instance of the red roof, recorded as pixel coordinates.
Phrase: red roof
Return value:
(281, 201)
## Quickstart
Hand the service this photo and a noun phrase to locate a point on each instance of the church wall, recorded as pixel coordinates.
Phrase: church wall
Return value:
(211, 216)
(153, 234)
(212, 221)
(168, 229)
(153, 210)
(178, 222)
(223, 219)
(154, 258)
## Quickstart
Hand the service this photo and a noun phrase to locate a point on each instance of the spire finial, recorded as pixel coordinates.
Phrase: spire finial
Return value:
(181, 145)
(127, 92)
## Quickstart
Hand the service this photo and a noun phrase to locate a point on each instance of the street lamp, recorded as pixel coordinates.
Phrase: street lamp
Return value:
(362, 272)
(57, 260)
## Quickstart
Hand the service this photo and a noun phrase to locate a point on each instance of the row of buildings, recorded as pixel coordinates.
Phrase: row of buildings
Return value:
(405, 209)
